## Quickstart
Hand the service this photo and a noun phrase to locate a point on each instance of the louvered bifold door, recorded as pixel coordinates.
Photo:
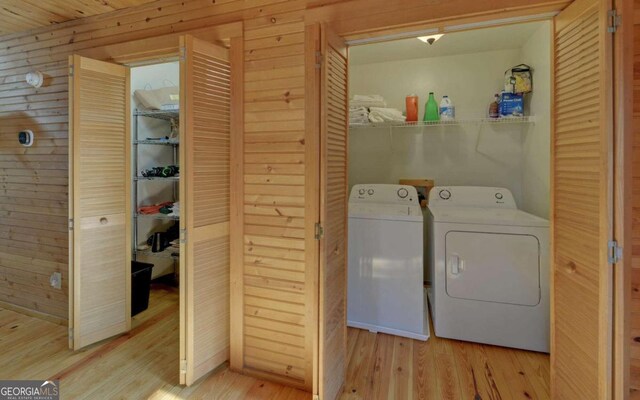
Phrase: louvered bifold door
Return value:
(204, 195)
(333, 214)
(582, 146)
(99, 206)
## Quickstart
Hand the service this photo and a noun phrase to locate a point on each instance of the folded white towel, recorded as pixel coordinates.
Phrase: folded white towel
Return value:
(358, 115)
(378, 115)
(367, 97)
(371, 100)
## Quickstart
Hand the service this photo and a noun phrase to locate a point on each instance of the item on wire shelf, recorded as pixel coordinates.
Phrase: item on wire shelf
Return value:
(358, 115)
(518, 79)
(154, 208)
(494, 107)
(431, 109)
(165, 98)
(175, 210)
(511, 105)
(165, 139)
(447, 109)
(378, 115)
(367, 101)
(159, 241)
(411, 103)
(161, 172)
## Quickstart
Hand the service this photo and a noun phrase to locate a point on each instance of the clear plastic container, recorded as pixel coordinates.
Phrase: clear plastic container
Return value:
(447, 109)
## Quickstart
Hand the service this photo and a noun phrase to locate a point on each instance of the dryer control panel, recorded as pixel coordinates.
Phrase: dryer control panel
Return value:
(384, 193)
(471, 196)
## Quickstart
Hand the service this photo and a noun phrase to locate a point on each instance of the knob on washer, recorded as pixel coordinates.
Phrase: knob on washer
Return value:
(444, 194)
(403, 193)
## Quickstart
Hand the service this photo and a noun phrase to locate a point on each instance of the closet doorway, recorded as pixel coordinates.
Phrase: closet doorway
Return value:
(583, 186)
(106, 184)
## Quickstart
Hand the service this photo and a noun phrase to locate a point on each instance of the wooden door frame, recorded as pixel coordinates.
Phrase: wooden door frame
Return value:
(369, 27)
(623, 49)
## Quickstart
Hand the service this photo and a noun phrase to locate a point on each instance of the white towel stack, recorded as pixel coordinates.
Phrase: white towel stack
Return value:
(359, 107)
(358, 115)
(365, 108)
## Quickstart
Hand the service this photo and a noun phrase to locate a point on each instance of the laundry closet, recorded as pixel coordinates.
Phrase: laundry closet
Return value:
(454, 193)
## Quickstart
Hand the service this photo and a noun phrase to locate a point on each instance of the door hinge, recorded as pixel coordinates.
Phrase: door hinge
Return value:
(70, 333)
(319, 59)
(183, 236)
(319, 231)
(614, 252)
(316, 397)
(183, 366)
(614, 21)
(183, 53)
(70, 70)
(70, 224)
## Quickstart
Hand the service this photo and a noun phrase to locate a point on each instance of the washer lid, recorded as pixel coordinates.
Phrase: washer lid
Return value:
(486, 216)
(391, 212)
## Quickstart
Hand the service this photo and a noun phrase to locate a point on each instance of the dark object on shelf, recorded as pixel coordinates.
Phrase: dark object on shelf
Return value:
(161, 172)
(140, 286)
(159, 241)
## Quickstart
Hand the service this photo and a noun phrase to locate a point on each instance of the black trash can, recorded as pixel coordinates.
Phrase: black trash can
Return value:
(140, 286)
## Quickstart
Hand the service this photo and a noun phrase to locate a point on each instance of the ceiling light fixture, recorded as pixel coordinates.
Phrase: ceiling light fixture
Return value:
(431, 39)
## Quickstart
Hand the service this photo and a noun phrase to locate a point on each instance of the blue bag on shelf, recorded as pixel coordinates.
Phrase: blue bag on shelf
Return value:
(511, 105)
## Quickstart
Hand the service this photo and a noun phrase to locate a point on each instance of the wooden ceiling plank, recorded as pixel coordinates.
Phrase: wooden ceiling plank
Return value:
(18, 15)
(162, 26)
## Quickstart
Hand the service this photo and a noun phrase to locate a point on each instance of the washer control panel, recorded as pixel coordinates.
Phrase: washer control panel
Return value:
(383, 193)
(471, 196)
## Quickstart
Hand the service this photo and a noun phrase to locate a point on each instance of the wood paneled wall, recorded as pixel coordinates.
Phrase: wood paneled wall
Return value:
(278, 324)
(635, 263)
(33, 184)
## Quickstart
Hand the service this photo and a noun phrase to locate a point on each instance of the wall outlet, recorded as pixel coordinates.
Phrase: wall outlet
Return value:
(56, 280)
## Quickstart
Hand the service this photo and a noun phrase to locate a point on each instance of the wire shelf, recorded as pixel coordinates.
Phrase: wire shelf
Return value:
(156, 178)
(166, 115)
(158, 216)
(169, 252)
(162, 142)
(457, 122)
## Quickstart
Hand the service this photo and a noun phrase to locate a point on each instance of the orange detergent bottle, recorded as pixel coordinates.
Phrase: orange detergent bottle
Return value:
(412, 108)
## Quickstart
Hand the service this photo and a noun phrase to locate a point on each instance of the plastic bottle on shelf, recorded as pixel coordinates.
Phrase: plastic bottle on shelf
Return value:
(431, 111)
(447, 109)
(412, 108)
(494, 107)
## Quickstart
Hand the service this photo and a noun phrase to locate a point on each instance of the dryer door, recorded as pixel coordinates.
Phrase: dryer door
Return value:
(494, 267)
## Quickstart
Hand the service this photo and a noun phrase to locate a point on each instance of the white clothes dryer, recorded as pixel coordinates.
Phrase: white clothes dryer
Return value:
(489, 265)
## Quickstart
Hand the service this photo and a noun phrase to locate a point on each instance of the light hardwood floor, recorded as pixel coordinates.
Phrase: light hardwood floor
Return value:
(144, 364)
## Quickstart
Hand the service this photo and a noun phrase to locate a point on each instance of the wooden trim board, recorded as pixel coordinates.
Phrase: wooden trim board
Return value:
(237, 202)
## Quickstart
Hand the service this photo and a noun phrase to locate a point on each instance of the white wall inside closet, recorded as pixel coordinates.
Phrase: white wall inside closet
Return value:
(153, 192)
(537, 144)
(468, 67)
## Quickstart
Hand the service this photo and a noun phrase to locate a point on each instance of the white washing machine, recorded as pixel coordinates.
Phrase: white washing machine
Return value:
(385, 284)
(489, 265)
